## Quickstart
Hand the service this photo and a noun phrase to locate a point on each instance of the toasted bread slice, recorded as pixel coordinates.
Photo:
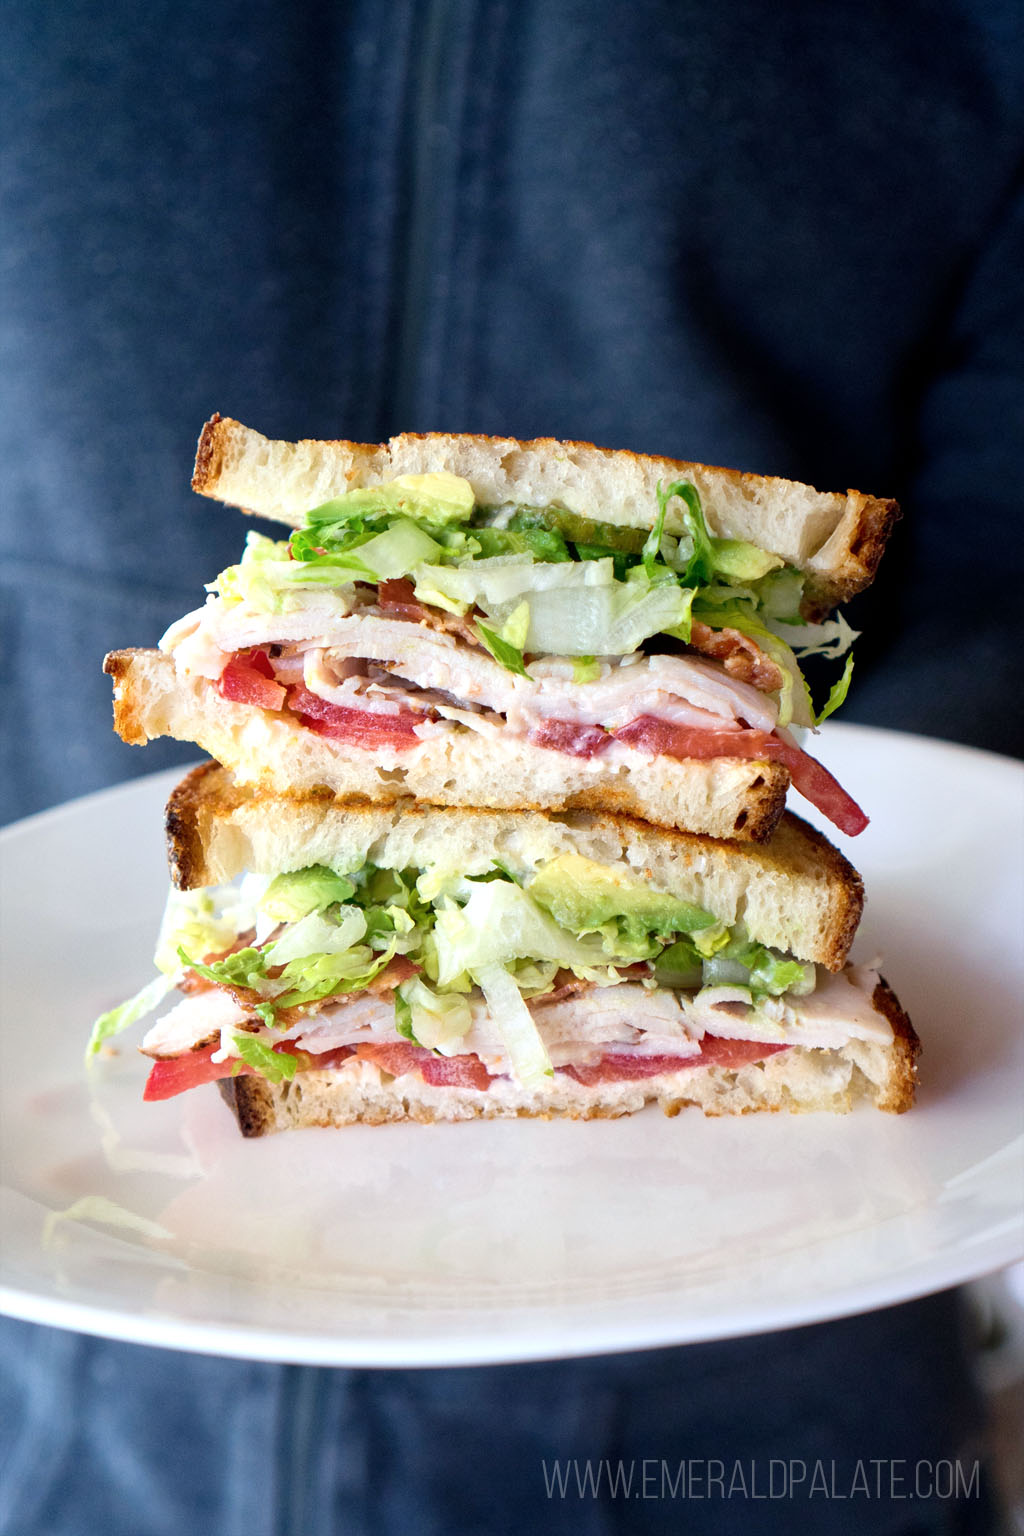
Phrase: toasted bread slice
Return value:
(796, 893)
(836, 539)
(721, 797)
(797, 1079)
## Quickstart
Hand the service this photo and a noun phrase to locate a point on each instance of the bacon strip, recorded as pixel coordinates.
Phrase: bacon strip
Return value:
(396, 599)
(398, 969)
(567, 736)
(740, 655)
(440, 1071)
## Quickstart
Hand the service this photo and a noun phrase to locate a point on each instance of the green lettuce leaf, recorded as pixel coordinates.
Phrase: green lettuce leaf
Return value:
(438, 1020)
(500, 924)
(275, 1066)
(510, 656)
(837, 694)
(529, 1060)
(246, 968)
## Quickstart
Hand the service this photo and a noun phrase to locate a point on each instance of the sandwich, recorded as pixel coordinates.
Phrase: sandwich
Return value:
(472, 621)
(383, 961)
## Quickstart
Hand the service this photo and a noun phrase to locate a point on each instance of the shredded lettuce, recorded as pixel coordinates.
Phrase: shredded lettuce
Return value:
(766, 972)
(500, 923)
(438, 1020)
(837, 693)
(679, 965)
(510, 656)
(652, 544)
(831, 639)
(246, 968)
(529, 1060)
(126, 1014)
(375, 556)
(316, 935)
(197, 920)
(314, 977)
(524, 535)
(700, 565)
(585, 669)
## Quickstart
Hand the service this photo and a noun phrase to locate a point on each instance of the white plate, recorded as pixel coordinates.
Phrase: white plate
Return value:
(408, 1245)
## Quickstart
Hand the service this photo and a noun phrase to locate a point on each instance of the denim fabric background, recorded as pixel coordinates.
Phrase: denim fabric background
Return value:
(787, 238)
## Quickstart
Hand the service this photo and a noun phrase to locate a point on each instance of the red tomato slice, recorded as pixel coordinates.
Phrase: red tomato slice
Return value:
(176, 1074)
(248, 678)
(810, 777)
(567, 736)
(359, 727)
(714, 1052)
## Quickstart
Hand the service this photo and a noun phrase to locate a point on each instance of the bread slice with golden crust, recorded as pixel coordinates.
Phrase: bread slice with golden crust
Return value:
(796, 893)
(275, 753)
(798, 1079)
(836, 539)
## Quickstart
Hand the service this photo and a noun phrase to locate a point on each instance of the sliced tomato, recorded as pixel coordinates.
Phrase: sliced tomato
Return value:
(175, 1074)
(622, 1069)
(810, 778)
(813, 780)
(358, 727)
(714, 1052)
(248, 678)
(568, 736)
(455, 1072)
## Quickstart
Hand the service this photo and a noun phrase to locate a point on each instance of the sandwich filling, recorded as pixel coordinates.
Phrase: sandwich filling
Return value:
(566, 967)
(406, 611)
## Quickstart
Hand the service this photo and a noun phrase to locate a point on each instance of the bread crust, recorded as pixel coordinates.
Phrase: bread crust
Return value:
(797, 892)
(906, 1051)
(739, 798)
(836, 540)
(121, 666)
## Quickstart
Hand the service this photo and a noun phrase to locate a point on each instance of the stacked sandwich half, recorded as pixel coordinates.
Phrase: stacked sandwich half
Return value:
(503, 735)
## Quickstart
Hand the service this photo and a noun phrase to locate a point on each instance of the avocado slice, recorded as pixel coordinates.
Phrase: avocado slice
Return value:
(583, 895)
(581, 530)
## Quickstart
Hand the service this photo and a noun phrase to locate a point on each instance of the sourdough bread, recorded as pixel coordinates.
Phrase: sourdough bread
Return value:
(722, 797)
(836, 539)
(798, 1079)
(796, 893)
